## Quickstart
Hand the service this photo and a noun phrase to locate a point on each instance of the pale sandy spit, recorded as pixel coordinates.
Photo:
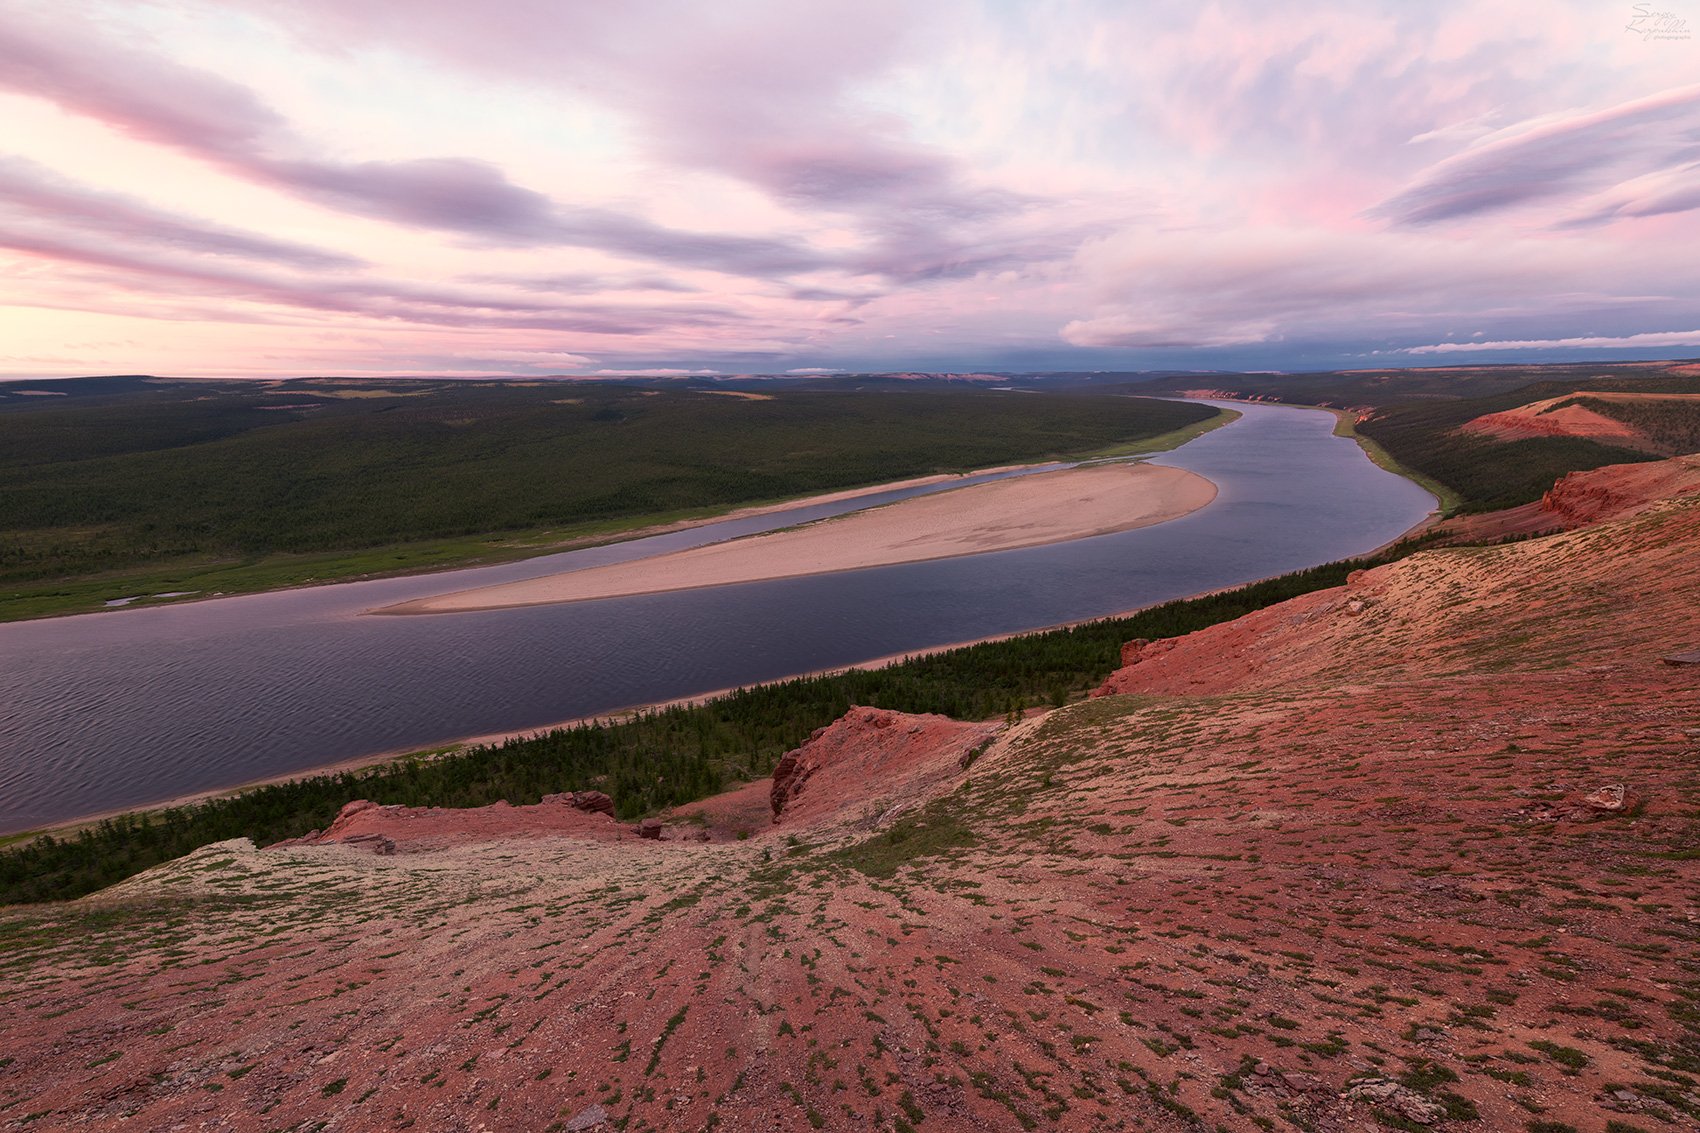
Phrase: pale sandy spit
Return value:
(1028, 511)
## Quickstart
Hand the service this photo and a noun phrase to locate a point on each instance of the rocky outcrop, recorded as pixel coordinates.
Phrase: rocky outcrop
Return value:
(1141, 649)
(1609, 799)
(595, 802)
(792, 771)
(1579, 499)
(869, 754)
(386, 830)
(1525, 603)
(379, 844)
(1402, 1100)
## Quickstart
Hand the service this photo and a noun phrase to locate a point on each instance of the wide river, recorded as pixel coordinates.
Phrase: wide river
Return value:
(120, 709)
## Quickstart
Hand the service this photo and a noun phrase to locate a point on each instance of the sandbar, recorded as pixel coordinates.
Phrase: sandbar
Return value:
(1025, 511)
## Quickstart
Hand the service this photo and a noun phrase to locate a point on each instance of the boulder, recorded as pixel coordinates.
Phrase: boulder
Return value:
(590, 1117)
(597, 802)
(1132, 649)
(349, 810)
(650, 828)
(1305, 1083)
(1140, 649)
(592, 802)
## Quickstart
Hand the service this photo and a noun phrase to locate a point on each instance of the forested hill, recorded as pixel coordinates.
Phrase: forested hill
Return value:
(118, 486)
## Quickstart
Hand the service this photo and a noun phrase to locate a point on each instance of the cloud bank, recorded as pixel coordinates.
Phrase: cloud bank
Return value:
(200, 186)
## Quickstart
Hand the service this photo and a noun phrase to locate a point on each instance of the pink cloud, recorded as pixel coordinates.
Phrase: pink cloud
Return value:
(34, 194)
(224, 123)
(427, 304)
(1559, 157)
(752, 90)
(1194, 289)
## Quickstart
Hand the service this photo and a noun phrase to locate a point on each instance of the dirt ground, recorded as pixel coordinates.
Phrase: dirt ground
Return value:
(1420, 852)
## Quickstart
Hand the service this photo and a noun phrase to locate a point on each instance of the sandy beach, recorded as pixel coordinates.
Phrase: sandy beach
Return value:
(1027, 511)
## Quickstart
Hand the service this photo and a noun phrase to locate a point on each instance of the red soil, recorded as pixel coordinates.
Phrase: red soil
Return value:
(911, 756)
(1342, 864)
(1542, 419)
(1583, 498)
(420, 829)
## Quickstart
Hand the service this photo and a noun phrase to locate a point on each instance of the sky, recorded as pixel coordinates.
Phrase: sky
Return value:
(369, 187)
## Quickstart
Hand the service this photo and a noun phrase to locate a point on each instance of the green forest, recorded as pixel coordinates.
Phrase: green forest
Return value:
(1672, 425)
(132, 486)
(655, 760)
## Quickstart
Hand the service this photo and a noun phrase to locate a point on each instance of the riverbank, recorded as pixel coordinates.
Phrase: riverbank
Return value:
(544, 661)
(1030, 511)
(1447, 502)
(1154, 620)
(199, 579)
(378, 762)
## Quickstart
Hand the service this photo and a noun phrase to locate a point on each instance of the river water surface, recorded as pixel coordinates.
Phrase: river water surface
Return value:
(120, 709)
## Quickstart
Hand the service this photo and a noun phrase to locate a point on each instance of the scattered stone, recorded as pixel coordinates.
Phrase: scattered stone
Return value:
(1692, 657)
(893, 813)
(1263, 1070)
(1609, 798)
(1402, 1100)
(590, 1117)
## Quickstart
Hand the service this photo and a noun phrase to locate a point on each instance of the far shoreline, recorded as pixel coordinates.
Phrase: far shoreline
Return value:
(617, 531)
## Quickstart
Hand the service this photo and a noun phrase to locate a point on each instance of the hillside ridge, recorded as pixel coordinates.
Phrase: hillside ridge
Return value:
(1419, 851)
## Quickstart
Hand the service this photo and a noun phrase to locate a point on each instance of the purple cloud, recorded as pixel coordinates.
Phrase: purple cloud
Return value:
(382, 299)
(1188, 289)
(34, 194)
(748, 90)
(224, 123)
(148, 98)
(1558, 157)
(587, 283)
